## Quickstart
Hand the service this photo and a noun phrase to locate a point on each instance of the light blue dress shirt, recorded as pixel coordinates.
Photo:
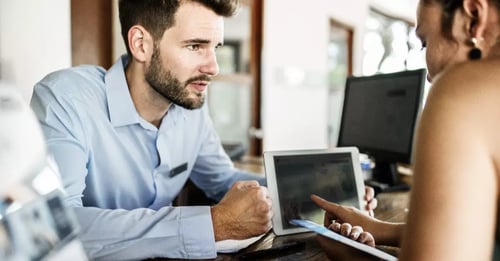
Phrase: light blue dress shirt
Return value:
(117, 167)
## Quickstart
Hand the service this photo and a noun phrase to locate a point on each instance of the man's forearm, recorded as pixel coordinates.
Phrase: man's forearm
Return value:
(172, 232)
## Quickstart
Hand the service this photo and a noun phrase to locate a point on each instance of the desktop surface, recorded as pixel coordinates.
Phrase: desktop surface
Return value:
(392, 207)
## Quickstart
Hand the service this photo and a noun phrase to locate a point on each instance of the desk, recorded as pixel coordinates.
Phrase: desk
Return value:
(392, 207)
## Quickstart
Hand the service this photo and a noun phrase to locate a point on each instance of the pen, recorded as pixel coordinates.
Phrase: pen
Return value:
(274, 251)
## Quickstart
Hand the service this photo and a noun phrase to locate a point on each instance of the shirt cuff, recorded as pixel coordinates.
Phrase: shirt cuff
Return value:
(197, 232)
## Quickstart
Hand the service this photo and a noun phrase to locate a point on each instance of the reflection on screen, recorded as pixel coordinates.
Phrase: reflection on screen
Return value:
(330, 176)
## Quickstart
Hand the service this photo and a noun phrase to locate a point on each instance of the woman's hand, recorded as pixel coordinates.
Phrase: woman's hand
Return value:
(384, 233)
(353, 232)
(344, 214)
(338, 251)
(370, 200)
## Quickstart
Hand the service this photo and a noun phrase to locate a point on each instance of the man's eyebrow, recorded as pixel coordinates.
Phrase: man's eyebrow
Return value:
(196, 41)
(200, 41)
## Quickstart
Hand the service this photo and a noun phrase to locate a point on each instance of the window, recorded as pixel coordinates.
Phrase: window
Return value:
(339, 60)
(234, 95)
(390, 45)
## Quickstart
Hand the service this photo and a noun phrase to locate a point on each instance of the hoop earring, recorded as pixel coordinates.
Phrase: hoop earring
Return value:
(475, 53)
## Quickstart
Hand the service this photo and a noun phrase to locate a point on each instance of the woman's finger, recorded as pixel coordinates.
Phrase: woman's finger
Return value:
(371, 204)
(355, 232)
(335, 226)
(345, 229)
(366, 238)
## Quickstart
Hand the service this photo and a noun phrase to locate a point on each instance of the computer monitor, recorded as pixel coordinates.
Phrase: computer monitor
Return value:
(379, 117)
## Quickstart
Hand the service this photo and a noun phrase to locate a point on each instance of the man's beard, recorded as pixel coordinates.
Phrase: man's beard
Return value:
(165, 83)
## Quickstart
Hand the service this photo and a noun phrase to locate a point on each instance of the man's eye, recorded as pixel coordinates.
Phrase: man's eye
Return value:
(193, 47)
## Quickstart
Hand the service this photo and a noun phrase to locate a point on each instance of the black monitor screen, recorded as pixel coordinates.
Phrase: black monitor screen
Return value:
(379, 114)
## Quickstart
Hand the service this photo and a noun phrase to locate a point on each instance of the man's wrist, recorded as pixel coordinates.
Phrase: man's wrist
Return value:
(218, 226)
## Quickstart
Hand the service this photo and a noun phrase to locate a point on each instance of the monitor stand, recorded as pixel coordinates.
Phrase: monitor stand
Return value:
(386, 178)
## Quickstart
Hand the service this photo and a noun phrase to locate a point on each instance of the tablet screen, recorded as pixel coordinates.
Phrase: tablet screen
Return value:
(330, 176)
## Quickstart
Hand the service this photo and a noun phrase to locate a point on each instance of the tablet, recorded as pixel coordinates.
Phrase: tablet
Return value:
(342, 239)
(292, 176)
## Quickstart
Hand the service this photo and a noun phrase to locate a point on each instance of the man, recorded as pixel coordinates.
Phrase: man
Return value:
(128, 139)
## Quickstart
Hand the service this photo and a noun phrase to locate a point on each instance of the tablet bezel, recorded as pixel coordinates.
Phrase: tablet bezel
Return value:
(273, 188)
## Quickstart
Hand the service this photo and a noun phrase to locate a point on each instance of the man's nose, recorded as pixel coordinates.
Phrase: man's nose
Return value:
(210, 65)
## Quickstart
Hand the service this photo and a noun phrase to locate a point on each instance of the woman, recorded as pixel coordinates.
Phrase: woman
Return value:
(454, 199)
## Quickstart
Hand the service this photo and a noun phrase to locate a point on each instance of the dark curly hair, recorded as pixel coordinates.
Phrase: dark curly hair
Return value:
(158, 15)
(449, 7)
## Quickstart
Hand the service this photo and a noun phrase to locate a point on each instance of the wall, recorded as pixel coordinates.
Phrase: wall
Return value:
(294, 86)
(35, 39)
(118, 44)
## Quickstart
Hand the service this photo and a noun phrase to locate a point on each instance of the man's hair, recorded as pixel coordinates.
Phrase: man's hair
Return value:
(449, 7)
(156, 16)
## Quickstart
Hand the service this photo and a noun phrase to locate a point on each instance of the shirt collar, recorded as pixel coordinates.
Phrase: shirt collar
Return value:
(120, 105)
(121, 108)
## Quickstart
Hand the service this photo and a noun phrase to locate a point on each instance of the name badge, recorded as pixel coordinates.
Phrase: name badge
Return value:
(178, 170)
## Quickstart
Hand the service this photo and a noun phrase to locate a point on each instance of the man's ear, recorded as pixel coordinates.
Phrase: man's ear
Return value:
(140, 43)
(477, 12)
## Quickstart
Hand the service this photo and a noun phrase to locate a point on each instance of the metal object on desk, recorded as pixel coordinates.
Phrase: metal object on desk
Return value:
(275, 251)
(34, 222)
(42, 229)
(301, 246)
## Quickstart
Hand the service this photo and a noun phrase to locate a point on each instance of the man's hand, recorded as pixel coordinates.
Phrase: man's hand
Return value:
(245, 211)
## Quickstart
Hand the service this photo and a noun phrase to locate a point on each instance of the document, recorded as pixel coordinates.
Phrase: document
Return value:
(232, 245)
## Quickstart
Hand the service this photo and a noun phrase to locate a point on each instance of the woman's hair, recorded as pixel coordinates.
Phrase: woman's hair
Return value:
(449, 7)
(156, 16)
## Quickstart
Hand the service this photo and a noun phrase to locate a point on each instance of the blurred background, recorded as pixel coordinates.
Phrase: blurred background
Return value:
(282, 69)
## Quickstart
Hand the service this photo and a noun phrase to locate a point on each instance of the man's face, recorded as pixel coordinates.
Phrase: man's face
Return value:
(165, 83)
(183, 61)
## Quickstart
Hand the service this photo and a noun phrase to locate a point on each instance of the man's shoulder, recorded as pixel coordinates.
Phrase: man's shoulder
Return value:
(70, 81)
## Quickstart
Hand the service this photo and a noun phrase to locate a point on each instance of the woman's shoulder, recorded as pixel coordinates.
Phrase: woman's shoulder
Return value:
(470, 81)
(467, 97)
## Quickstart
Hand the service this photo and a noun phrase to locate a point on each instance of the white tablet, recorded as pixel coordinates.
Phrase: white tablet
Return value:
(292, 176)
(342, 239)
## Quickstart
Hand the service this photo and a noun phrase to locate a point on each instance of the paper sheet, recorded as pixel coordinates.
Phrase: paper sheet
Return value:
(232, 245)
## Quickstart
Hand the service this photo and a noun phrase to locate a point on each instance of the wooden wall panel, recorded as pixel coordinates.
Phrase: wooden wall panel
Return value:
(91, 32)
